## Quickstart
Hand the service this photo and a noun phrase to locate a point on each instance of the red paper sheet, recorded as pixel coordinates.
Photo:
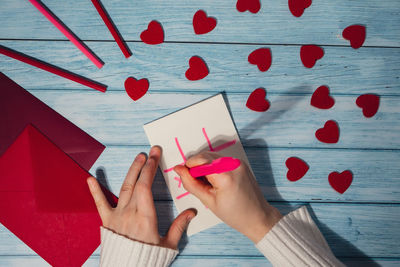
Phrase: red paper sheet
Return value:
(18, 108)
(45, 201)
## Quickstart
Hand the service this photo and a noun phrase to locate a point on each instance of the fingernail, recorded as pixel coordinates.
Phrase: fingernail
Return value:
(153, 150)
(89, 182)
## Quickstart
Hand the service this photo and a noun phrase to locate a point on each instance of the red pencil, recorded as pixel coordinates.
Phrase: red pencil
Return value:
(51, 68)
(111, 27)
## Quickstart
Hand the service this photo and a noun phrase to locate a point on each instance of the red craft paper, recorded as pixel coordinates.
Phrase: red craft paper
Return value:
(221, 165)
(257, 101)
(154, 34)
(369, 104)
(329, 134)
(251, 5)
(18, 108)
(297, 7)
(340, 182)
(309, 54)
(51, 68)
(45, 201)
(203, 24)
(297, 168)
(136, 88)
(321, 98)
(355, 34)
(197, 70)
(262, 58)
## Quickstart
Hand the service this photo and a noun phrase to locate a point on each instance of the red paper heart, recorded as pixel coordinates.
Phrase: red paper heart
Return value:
(154, 34)
(197, 69)
(297, 168)
(257, 101)
(321, 98)
(369, 104)
(136, 88)
(355, 34)
(309, 54)
(297, 7)
(262, 58)
(340, 181)
(251, 5)
(329, 134)
(203, 24)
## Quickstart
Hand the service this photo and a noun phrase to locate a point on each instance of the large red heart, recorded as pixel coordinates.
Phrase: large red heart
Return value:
(369, 104)
(340, 181)
(329, 134)
(355, 34)
(154, 34)
(203, 24)
(262, 58)
(297, 168)
(251, 5)
(321, 98)
(297, 7)
(197, 69)
(136, 88)
(257, 101)
(309, 54)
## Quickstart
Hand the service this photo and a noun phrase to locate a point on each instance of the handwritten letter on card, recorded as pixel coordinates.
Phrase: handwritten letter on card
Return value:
(204, 126)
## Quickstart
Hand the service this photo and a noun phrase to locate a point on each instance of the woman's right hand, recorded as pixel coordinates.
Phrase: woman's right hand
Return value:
(234, 197)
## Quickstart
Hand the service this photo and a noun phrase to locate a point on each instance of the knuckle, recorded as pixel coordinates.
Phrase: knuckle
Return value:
(126, 187)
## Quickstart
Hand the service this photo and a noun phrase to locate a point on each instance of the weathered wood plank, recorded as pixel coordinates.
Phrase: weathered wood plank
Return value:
(352, 230)
(114, 119)
(322, 23)
(343, 69)
(197, 261)
(376, 173)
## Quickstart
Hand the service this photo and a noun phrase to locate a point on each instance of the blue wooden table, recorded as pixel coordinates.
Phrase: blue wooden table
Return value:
(362, 225)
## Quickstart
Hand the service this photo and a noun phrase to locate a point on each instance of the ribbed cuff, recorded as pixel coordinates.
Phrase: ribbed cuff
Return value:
(117, 250)
(296, 241)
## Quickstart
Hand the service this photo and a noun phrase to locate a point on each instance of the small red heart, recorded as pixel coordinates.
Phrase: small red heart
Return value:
(136, 88)
(262, 58)
(369, 104)
(297, 7)
(321, 98)
(203, 24)
(355, 34)
(340, 181)
(197, 69)
(251, 5)
(329, 134)
(297, 168)
(257, 101)
(154, 34)
(309, 54)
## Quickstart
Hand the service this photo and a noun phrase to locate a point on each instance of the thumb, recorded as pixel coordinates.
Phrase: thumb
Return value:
(195, 186)
(178, 227)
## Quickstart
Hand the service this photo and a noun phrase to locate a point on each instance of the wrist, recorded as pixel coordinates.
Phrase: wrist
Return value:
(266, 222)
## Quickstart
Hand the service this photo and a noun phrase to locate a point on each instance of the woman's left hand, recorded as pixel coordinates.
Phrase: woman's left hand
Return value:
(135, 215)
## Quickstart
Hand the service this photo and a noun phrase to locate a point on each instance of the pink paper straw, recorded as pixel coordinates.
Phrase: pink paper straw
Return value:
(67, 32)
(51, 68)
(112, 28)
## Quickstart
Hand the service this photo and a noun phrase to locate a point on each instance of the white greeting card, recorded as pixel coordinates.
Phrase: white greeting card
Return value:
(206, 125)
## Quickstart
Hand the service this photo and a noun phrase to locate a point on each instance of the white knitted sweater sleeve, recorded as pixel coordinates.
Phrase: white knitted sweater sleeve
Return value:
(119, 251)
(296, 241)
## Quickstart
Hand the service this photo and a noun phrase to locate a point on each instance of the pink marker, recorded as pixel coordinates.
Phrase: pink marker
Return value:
(224, 164)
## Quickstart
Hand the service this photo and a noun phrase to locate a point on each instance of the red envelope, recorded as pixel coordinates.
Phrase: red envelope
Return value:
(45, 200)
(18, 108)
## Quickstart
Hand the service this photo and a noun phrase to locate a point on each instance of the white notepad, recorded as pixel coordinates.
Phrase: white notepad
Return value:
(206, 125)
